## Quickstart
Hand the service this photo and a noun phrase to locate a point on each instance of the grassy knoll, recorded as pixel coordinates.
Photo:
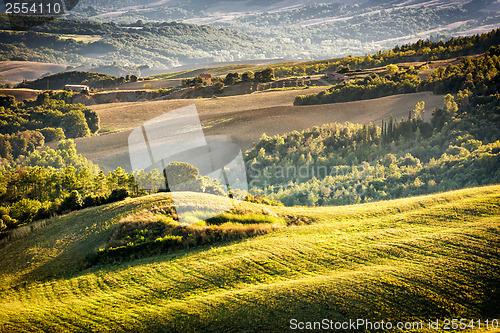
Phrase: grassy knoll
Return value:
(263, 106)
(410, 259)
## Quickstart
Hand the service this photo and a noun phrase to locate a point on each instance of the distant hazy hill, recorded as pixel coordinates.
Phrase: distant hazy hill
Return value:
(158, 45)
(315, 29)
(162, 34)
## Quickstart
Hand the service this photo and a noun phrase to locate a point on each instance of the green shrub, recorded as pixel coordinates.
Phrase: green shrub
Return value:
(118, 195)
(94, 200)
(45, 211)
(219, 87)
(53, 134)
(72, 202)
(25, 210)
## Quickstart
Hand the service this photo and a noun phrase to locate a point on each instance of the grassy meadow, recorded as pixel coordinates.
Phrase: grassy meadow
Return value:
(428, 257)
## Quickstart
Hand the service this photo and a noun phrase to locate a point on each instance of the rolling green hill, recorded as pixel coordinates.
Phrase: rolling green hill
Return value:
(409, 259)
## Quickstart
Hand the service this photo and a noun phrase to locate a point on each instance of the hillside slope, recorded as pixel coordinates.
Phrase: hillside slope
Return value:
(244, 118)
(16, 71)
(409, 259)
(158, 45)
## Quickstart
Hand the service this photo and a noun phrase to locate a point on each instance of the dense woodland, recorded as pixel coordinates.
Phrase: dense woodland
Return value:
(453, 78)
(25, 126)
(55, 181)
(349, 163)
(36, 181)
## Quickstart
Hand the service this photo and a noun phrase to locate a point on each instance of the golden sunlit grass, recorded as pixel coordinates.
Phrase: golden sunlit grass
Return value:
(432, 256)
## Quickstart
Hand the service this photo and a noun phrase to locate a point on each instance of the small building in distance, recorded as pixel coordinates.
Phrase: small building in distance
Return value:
(76, 87)
(335, 76)
(207, 78)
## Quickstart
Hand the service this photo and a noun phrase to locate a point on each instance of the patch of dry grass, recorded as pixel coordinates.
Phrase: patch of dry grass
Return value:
(243, 118)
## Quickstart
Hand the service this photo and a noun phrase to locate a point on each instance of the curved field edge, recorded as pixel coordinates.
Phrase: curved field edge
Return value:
(432, 256)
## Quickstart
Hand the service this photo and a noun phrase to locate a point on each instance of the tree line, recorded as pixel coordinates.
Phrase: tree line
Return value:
(479, 74)
(266, 75)
(371, 86)
(53, 181)
(419, 51)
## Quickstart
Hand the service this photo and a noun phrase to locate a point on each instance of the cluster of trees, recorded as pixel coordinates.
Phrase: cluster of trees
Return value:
(476, 83)
(36, 182)
(478, 74)
(24, 126)
(344, 164)
(196, 81)
(20, 144)
(59, 80)
(218, 83)
(266, 75)
(183, 177)
(51, 181)
(371, 86)
(413, 127)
